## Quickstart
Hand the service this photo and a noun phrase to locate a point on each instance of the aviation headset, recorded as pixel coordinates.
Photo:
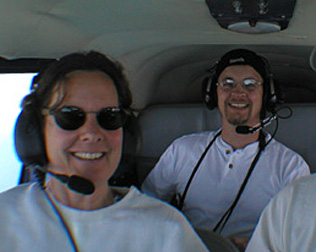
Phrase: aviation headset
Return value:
(241, 57)
(29, 140)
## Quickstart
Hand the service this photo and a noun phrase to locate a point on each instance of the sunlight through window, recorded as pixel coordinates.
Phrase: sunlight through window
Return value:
(14, 88)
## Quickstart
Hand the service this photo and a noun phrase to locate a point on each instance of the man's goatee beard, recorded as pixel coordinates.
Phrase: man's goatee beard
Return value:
(238, 121)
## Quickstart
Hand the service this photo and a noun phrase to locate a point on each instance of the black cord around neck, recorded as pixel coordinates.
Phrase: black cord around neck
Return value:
(178, 201)
(224, 219)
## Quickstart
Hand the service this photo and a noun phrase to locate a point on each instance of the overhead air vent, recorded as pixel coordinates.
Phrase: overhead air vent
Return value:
(252, 16)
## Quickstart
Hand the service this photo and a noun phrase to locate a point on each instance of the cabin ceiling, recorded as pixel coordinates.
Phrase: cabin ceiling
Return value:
(166, 46)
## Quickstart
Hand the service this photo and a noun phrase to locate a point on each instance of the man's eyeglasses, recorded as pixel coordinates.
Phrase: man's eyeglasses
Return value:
(247, 84)
(72, 118)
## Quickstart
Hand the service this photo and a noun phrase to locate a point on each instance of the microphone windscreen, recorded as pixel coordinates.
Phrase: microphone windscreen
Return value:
(80, 185)
(243, 129)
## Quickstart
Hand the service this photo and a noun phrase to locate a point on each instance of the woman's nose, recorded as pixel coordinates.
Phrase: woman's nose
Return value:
(91, 131)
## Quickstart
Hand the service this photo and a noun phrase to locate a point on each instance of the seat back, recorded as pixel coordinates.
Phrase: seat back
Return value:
(298, 132)
(160, 125)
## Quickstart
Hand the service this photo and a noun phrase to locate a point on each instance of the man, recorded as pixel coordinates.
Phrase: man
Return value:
(288, 222)
(232, 176)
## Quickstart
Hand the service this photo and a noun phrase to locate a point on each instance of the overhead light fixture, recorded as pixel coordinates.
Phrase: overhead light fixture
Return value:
(252, 16)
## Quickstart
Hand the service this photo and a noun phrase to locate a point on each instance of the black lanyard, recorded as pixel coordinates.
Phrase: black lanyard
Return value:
(222, 222)
(178, 199)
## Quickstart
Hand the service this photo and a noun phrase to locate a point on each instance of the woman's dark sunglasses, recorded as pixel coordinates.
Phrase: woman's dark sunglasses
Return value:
(72, 118)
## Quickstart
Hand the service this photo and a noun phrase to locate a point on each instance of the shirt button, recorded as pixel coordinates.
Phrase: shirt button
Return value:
(231, 166)
(227, 151)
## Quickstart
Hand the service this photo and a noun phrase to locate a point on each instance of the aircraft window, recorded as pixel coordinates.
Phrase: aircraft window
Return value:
(13, 88)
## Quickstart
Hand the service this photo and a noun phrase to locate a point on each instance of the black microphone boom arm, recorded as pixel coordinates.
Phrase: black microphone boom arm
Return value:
(73, 182)
(243, 129)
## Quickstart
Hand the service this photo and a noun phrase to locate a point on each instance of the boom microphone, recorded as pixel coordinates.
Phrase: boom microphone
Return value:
(249, 130)
(73, 182)
(244, 129)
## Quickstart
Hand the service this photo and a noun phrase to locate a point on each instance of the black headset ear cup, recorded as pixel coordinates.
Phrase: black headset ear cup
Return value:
(29, 142)
(209, 96)
(273, 99)
(272, 93)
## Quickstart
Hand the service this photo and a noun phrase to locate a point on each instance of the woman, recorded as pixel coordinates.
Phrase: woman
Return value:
(74, 118)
